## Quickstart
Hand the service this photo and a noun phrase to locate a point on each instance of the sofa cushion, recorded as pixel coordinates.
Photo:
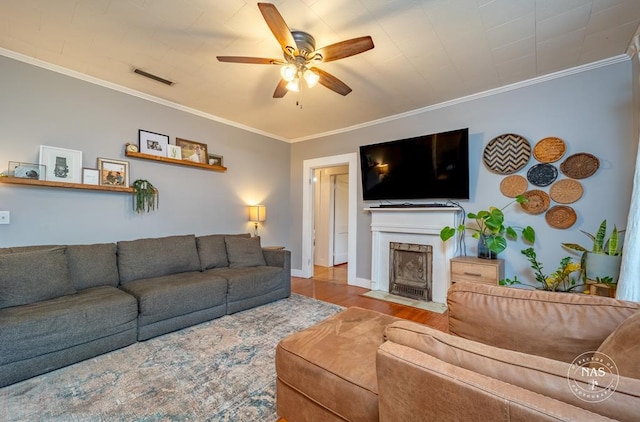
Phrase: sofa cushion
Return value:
(243, 252)
(541, 375)
(173, 295)
(44, 327)
(213, 251)
(93, 265)
(623, 347)
(147, 258)
(28, 277)
(513, 319)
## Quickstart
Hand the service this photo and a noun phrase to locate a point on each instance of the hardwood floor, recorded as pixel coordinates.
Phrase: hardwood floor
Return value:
(329, 285)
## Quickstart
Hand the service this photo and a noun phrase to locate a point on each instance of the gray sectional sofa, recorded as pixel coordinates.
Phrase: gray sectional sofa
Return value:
(63, 304)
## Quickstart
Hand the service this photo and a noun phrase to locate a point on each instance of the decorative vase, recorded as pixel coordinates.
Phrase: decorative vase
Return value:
(483, 250)
(600, 266)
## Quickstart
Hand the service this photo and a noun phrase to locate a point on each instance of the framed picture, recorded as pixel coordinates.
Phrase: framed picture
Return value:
(113, 172)
(174, 151)
(215, 160)
(193, 151)
(90, 176)
(26, 170)
(62, 165)
(153, 143)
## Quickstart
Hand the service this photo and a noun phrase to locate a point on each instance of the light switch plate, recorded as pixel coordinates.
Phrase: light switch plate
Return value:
(5, 217)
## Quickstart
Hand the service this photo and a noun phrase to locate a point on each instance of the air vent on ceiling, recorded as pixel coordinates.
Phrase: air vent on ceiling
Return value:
(152, 76)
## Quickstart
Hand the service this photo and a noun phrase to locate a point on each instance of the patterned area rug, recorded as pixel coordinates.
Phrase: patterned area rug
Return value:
(221, 370)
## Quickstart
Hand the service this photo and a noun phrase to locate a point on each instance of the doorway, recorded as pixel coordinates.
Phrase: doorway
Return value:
(308, 193)
(330, 216)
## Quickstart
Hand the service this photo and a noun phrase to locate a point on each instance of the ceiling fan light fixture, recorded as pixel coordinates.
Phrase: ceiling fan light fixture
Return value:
(288, 72)
(311, 77)
(294, 85)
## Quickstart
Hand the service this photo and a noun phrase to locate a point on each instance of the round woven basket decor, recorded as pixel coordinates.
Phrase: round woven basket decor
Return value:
(580, 166)
(549, 150)
(507, 153)
(566, 191)
(542, 174)
(538, 202)
(514, 185)
(561, 217)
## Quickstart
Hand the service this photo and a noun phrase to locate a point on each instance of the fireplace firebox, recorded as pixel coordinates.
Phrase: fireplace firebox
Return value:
(410, 270)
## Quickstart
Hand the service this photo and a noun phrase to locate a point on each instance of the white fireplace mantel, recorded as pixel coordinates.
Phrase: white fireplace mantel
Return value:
(419, 225)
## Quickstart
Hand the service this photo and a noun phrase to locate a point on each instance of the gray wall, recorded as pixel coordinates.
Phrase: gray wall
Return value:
(591, 111)
(41, 107)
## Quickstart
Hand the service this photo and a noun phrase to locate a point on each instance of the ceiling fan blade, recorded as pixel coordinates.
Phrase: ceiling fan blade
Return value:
(346, 48)
(332, 82)
(249, 60)
(281, 89)
(278, 26)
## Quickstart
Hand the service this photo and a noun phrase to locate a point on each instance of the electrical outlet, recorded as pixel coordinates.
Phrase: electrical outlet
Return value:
(5, 217)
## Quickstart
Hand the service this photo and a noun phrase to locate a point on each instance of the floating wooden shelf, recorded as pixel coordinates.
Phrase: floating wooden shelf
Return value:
(174, 161)
(50, 184)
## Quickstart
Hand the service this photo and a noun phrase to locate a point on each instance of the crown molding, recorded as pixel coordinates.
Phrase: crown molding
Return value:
(171, 104)
(97, 81)
(472, 97)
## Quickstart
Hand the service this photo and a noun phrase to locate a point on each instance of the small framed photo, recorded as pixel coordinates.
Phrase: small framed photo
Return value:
(215, 160)
(113, 172)
(153, 143)
(174, 151)
(62, 165)
(90, 176)
(193, 151)
(26, 170)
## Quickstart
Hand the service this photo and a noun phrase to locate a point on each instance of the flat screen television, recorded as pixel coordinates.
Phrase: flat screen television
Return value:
(432, 166)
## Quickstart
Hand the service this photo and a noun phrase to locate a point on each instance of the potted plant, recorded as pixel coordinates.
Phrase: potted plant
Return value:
(566, 278)
(602, 262)
(146, 196)
(490, 230)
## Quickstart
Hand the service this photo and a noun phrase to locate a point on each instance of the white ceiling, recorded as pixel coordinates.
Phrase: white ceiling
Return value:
(426, 51)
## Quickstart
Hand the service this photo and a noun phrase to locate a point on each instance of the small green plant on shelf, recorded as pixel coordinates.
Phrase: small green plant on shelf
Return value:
(564, 279)
(146, 196)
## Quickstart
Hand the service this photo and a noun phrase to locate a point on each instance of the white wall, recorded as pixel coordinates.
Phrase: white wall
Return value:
(591, 111)
(41, 107)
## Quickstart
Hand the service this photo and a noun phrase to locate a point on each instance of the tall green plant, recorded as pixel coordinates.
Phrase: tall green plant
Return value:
(601, 244)
(490, 224)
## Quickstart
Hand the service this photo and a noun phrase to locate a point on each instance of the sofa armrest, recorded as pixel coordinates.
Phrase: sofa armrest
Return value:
(555, 325)
(277, 257)
(414, 386)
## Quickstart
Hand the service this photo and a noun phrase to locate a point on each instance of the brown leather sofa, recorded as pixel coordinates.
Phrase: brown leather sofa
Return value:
(507, 357)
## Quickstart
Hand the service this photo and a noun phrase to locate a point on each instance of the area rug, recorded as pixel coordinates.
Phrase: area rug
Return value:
(440, 308)
(221, 370)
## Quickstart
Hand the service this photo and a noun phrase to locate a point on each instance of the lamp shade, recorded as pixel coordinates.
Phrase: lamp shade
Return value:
(257, 213)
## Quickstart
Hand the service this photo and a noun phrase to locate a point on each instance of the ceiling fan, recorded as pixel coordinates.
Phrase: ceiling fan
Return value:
(301, 56)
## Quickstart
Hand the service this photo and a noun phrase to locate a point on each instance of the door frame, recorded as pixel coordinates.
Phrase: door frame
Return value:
(308, 167)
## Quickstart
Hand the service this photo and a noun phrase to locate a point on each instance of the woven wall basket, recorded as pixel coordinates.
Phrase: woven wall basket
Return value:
(549, 150)
(514, 185)
(538, 202)
(566, 191)
(580, 166)
(561, 217)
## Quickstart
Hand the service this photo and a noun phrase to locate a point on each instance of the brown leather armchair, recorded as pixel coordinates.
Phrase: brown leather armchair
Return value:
(507, 357)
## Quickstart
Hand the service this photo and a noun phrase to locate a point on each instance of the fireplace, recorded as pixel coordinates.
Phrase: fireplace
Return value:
(410, 270)
(419, 226)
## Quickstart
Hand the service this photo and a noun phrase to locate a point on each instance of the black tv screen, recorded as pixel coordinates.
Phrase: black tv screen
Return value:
(432, 166)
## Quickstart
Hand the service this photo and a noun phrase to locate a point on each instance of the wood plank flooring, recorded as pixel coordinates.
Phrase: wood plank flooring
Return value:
(329, 285)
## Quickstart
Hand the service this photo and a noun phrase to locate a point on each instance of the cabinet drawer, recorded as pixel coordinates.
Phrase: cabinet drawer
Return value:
(467, 271)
